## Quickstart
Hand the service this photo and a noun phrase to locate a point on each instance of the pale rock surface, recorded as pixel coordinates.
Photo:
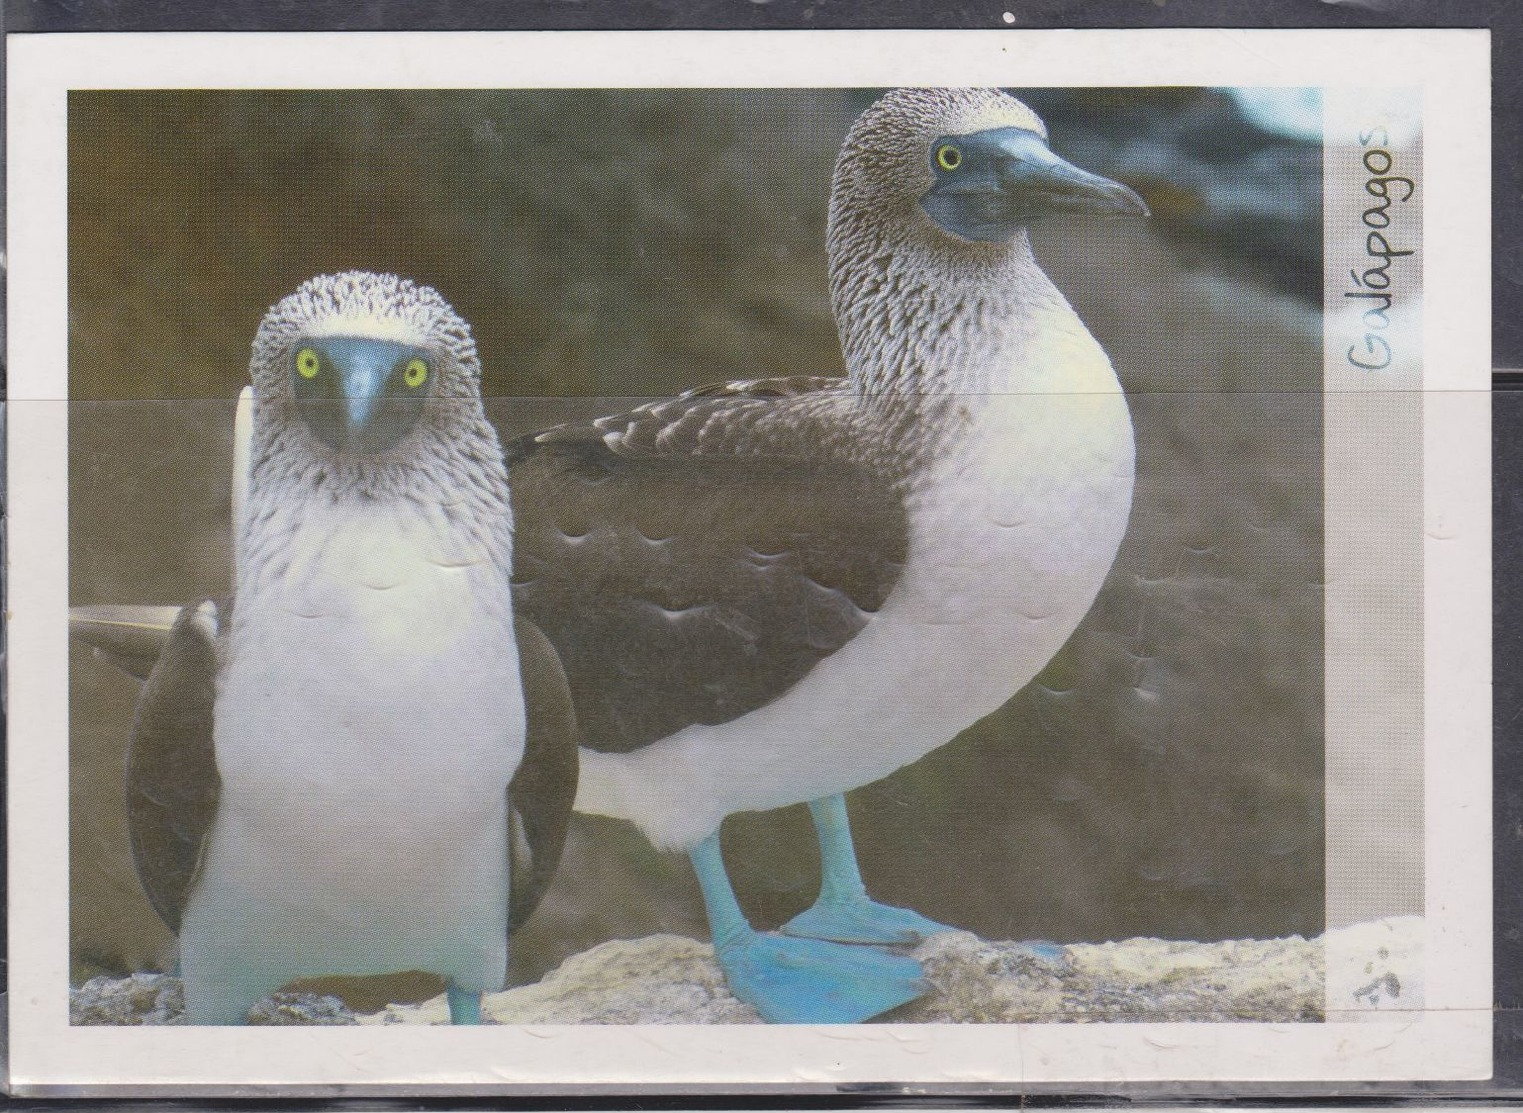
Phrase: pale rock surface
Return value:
(669, 979)
(661, 979)
(1140, 979)
(300, 1008)
(158, 999)
(135, 999)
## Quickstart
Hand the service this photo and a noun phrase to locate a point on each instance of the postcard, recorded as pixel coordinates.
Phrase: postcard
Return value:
(599, 562)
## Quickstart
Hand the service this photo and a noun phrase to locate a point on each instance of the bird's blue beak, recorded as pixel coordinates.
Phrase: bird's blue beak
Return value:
(990, 184)
(360, 395)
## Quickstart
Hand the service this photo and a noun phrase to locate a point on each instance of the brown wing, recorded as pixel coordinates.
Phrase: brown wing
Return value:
(543, 789)
(693, 559)
(129, 637)
(172, 781)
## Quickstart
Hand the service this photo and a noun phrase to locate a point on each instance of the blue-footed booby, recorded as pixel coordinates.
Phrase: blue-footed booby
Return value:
(360, 763)
(773, 591)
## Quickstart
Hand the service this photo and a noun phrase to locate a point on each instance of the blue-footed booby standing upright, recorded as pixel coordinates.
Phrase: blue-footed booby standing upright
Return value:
(773, 591)
(361, 762)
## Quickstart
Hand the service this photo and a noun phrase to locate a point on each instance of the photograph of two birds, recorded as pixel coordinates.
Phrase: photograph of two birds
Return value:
(982, 593)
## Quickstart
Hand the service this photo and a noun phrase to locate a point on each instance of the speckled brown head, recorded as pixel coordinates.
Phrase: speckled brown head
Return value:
(930, 261)
(969, 164)
(366, 381)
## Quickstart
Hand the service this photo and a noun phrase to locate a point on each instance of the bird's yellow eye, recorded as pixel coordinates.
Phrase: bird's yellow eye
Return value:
(948, 157)
(415, 374)
(307, 363)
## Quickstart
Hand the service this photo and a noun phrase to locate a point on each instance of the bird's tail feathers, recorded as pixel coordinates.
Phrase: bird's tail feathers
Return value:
(129, 637)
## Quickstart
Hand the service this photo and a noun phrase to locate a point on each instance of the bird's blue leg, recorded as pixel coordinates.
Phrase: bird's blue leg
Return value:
(798, 981)
(464, 1006)
(844, 912)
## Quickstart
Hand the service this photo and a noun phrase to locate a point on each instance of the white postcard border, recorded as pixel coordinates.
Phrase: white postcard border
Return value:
(1449, 1040)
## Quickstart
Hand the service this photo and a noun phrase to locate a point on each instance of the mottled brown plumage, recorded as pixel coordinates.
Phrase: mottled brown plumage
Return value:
(172, 781)
(662, 621)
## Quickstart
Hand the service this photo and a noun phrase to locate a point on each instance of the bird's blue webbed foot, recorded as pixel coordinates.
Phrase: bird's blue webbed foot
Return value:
(464, 1006)
(807, 981)
(844, 913)
(861, 919)
(798, 981)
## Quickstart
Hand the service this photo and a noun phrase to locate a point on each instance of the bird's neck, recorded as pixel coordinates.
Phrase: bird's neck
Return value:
(926, 320)
(458, 495)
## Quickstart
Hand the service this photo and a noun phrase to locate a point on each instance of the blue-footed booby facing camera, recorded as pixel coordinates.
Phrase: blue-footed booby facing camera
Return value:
(774, 591)
(361, 394)
(360, 764)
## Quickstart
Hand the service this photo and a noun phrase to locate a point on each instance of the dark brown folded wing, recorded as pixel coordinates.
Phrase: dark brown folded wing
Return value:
(694, 559)
(172, 781)
(543, 789)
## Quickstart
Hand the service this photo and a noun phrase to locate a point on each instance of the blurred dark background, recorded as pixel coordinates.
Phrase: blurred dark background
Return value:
(1163, 776)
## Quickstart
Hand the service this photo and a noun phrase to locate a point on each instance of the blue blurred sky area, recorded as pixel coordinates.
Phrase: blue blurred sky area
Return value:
(1292, 113)
(1233, 176)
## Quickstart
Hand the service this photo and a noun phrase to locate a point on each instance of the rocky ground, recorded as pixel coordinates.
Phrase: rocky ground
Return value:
(669, 979)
